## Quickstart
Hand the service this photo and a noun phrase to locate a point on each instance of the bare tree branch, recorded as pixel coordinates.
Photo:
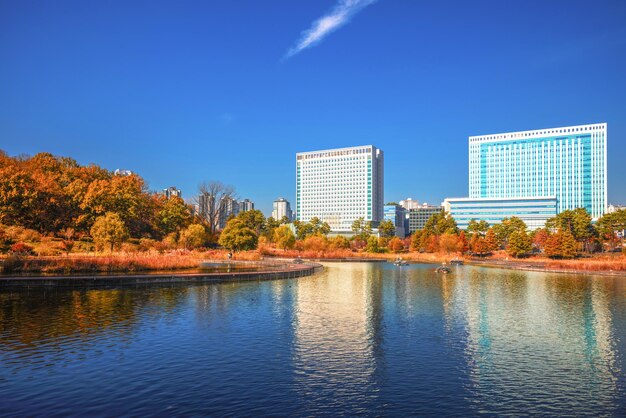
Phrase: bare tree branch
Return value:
(215, 203)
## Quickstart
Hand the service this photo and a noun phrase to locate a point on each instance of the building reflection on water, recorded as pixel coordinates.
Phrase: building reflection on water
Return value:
(357, 337)
(532, 337)
(338, 336)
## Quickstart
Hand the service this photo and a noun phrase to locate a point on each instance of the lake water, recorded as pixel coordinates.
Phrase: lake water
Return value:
(359, 338)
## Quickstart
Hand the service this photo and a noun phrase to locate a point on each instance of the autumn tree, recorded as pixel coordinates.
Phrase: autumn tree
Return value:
(284, 237)
(448, 243)
(109, 229)
(479, 245)
(491, 242)
(173, 215)
(396, 245)
(194, 236)
(577, 222)
(463, 245)
(338, 243)
(238, 237)
(253, 219)
(561, 244)
(540, 237)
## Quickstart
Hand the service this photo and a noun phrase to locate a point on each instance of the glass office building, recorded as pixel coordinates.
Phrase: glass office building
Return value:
(397, 215)
(534, 211)
(567, 164)
(339, 186)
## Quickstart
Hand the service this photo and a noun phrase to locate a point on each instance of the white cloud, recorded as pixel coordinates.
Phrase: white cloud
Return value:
(336, 18)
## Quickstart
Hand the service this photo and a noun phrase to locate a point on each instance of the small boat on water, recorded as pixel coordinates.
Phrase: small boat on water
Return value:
(456, 262)
(400, 262)
(443, 270)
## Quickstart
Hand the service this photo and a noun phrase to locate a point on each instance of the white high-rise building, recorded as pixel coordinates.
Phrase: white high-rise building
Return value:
(340, 185)
(282, 208)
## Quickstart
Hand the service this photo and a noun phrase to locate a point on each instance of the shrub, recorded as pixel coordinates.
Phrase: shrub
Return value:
(12, 263)
(263, 246)
(30, 235)
(193, 237)
(338, 243)
(14, 232)
(358, 244)
(372, 245)
(315, 243)
(22, 249)
(146, 244)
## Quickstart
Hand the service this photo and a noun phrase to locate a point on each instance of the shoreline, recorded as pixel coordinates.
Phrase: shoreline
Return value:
(527, 264)
(93, 281)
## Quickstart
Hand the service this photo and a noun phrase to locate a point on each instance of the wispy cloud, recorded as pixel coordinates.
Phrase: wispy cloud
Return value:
(336, 18)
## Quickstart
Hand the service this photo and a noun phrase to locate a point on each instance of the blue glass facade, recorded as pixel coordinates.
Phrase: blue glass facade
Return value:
(534, 211)
(568, 163)
(534, 175)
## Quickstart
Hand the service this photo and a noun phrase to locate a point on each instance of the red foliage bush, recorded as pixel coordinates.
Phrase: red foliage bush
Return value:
(22, 249)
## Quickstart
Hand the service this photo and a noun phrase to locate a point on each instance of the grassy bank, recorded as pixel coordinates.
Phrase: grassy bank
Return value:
(180, 259)
(116, 262)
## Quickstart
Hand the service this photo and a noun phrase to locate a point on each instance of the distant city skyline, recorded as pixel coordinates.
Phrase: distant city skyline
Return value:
(185, 93)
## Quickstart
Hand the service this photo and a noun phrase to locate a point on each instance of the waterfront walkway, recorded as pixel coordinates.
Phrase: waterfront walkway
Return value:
(264, 270)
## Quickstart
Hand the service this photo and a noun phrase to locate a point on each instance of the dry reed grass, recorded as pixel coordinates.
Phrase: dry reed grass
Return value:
(118, 262)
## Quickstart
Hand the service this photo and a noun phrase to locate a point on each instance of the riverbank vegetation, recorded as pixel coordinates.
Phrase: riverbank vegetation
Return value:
(59, 216)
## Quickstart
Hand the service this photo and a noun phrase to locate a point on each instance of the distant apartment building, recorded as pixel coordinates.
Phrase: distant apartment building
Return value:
(122, 172)
(172, 192)
(419, 215)
(220, 211)
(246, 205)
(282, 208)
(409, 204)
(615, 208)
(397, 215)
(229, 208)
(340, 185)
(534, 175)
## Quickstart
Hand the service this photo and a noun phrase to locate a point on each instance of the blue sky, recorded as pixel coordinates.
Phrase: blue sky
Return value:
(183, 92)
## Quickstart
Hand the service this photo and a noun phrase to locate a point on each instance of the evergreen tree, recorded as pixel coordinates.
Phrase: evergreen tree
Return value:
(568, 244)
(519, 244)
